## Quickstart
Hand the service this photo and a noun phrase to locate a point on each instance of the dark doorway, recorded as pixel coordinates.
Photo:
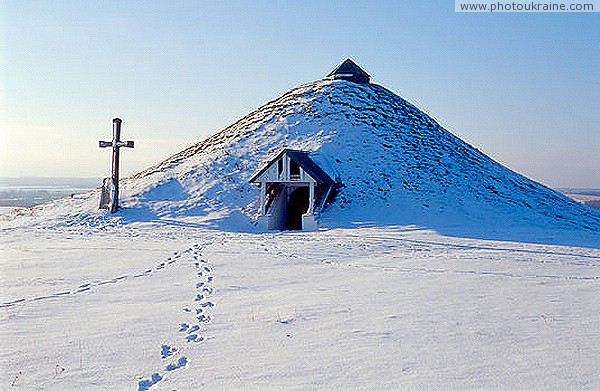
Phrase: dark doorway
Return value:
(296, 207)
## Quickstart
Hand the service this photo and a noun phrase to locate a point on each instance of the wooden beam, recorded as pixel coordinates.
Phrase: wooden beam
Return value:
(311, 197)
(263, 198)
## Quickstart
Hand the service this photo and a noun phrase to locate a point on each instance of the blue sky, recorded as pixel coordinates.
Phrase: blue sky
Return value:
(523, 88)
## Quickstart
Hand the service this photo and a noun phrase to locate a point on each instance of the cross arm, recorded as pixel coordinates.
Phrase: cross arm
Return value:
(119, 144)
(126, 144)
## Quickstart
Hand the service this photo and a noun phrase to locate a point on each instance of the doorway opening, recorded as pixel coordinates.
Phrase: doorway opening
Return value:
(296, 207)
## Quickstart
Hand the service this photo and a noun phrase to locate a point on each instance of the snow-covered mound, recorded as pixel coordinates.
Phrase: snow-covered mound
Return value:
(397, 166)
(396, 163)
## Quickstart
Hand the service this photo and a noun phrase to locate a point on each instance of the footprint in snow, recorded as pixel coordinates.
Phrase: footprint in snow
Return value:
(61, 293)
(192, 338)
(182, 362)
(11, 303)
(42, 298)
(145, 385)
(167, 351)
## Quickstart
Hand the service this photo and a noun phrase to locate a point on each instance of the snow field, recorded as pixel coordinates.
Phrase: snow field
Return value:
(370, 308)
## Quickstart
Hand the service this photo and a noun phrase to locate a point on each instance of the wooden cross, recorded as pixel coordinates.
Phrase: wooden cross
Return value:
(116, 144)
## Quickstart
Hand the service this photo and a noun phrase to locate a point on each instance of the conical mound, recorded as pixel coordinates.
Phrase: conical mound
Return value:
(396, 164)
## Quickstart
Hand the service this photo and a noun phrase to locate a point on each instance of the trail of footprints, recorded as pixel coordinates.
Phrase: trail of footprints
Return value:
(91, 285)
(191, 330)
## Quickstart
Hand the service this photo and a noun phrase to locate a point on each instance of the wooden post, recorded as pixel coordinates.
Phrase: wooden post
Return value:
(263, 198)
(114, 205)
(116, 144)
(311, 197)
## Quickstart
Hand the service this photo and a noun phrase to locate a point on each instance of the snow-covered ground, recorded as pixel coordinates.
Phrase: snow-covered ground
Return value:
(120, 307)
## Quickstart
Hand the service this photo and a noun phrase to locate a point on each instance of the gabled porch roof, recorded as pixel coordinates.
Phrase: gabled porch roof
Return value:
(304, 161)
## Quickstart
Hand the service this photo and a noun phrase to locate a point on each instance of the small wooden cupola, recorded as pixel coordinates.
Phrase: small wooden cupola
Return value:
(348, 70)
(292, 187)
